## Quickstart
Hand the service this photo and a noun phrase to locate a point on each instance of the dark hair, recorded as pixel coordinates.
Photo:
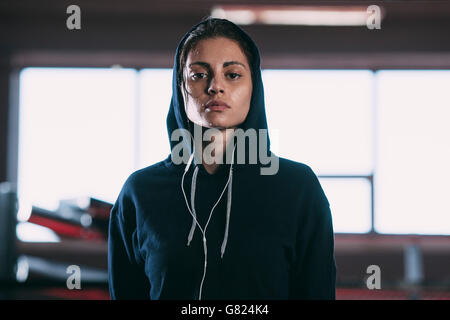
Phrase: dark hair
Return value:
(207, 29)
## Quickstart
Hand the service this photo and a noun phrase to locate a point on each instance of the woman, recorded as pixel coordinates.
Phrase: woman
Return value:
(196, 229)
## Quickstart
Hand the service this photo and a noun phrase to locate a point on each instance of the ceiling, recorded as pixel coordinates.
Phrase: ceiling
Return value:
(411, 9)
(143, 33)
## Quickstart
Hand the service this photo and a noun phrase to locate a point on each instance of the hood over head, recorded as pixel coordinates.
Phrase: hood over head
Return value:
(256, 118)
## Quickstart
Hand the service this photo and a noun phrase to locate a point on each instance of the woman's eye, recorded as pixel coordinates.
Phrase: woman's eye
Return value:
(199, 75)
(234, 75)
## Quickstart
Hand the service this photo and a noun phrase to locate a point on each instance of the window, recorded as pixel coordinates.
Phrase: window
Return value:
(379, 141)
(413, 152)
(350, 203)
(325, 120)
(155, 88)
(76, 133)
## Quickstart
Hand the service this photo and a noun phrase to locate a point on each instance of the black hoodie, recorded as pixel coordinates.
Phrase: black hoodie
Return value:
(272, 239)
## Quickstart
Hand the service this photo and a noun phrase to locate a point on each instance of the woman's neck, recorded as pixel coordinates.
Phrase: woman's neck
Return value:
(218, 147)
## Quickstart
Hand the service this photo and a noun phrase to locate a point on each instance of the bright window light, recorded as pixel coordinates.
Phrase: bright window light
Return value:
(294, 15)
(76, 135)
(413, 152)
(324, 118)
(83, 131)
(350, 203)
(30, 232)
(155, 88)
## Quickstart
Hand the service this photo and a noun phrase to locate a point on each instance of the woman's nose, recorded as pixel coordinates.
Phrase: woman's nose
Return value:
(215, 87)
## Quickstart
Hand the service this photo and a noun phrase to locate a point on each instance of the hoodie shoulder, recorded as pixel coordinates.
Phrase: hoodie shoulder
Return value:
(147, 177)
(304, 176)
(295, 169)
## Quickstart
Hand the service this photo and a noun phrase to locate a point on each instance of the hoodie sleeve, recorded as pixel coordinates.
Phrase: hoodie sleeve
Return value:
(127, 279)
(314, 272)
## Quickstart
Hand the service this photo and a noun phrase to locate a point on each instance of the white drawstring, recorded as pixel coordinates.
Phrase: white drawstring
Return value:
(194, 215)
(225, 238)
(194, 183)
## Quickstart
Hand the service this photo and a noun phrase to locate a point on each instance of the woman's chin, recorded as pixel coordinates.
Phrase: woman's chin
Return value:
(216, 122)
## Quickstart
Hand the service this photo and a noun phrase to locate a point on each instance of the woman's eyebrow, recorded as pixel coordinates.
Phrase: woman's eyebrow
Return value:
(208, 66)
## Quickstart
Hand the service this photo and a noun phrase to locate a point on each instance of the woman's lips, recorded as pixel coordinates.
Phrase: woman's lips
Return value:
(215, 105)
(216, 108)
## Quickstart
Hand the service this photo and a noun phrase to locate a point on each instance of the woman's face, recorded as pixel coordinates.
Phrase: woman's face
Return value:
(217, 69)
